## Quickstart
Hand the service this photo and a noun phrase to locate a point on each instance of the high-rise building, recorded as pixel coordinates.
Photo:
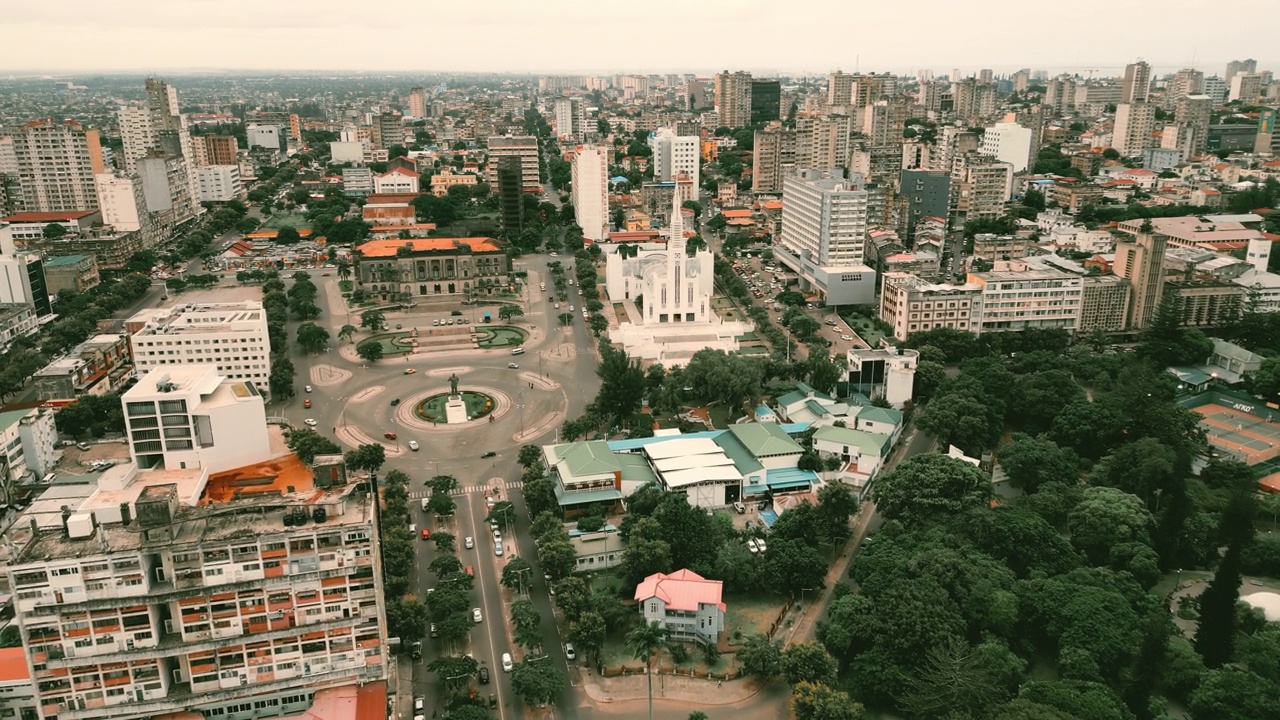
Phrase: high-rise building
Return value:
(1191, 122)
(1140, 260)
(221, 183)
(1216, 88)
(231, 337)
(22, 282)
(56, 164)
(1021, 80)
(590, 191)
(506, 173)
(825, 220)
(773, 158)
(1237, 67)
(922, 194)
(1133, 127)
(1137, 82)
(675, 154)
(524, 147)
(387, 130)
(1008, 142)
(980, 187)
(122, 200)
(1186, 81)
(883, 122)
(218, 149)
(166, 186)
(733, 98)
(840, 89)
(1245, 87)
(1104, 303)
(571, 118)
(157, 128)
(911, 305)
(766, 101)
(822, 142)
(418, 102)
(1060, 94)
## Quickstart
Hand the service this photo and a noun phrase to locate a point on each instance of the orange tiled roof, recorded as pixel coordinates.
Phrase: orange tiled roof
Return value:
(388, 248)
(13, 665)
(736, 213)
(30, 217)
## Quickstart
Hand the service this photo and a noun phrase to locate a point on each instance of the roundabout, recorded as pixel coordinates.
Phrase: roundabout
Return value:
(432, 409)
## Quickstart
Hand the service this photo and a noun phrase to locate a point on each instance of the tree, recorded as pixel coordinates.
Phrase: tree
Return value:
(1031, 462)
(792, 566)
(760, 657)
(558, 558)
(930, 486)
(11, 636)
(1216, 635)
(598, 324)
(529, 456)
(287, 235)
(536, 682)
(312, 338)
(815, 701)
(808, 663)
(369, 350)
(506, 312)
(540, 496)
(408, 620)
(1107, 517)
(347, 332)
(374, 320)
(644, 641)
(587, 634)
(963, 419)
(1234, 694)
(307, 443)
(369, 456)
(517, 573)
(958, 677)
(455, 671)
(54, 231)
(622, 383)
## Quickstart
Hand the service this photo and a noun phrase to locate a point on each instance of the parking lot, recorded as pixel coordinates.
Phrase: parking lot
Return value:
(766, 279)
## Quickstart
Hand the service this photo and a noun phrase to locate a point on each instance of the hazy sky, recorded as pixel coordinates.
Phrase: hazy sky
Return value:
(703, 36)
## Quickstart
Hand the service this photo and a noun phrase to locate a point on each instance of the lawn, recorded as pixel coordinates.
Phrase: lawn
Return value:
(396, 343)
(620, 311)
(749, 615)
(294, 220)
(345, 285)
(499, 336)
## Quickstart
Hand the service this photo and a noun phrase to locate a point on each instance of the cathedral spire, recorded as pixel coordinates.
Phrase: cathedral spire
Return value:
(676, 242)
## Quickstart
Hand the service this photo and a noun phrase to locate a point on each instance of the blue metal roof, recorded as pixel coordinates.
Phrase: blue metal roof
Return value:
(794, 429)
(789, 478)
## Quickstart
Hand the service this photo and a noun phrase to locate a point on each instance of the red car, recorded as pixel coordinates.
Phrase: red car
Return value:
(389, 436)
(471, 571)
(426, 534)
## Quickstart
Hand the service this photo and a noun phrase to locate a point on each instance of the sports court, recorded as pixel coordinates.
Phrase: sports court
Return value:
(1239, 426)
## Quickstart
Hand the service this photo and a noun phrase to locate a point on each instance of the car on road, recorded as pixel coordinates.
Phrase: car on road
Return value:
(309, 422)
(395, 402)
(497, 548)
(568, 651)
(426, 533)
(307, 403)
(410, 371)
(760, 544)
(389, 435)
(307, 388)
(555, 254)
(475, 615)
(470, 571)
(513, 366)
(847, 338)
(570, 308)
(420, 703)
(507, 665)
(413, 445)
(484, 675)
(489, 454)
(434, 632)
(425, 504)
(469, 542)
(497, 535)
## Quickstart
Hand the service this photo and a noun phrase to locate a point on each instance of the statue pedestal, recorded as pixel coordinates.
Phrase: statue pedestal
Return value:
(455, 411)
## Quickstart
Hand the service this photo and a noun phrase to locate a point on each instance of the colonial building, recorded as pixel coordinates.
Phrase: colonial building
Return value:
(427, 267)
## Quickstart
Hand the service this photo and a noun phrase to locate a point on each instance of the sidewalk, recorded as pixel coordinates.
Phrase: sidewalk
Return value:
(667, 687)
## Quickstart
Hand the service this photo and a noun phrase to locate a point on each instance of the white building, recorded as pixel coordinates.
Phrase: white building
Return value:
(825, 220)
(1017, 296)
(157, 129)
(22, 281)
(220, 183)
(571, 118)
(590, 191)
(887, 372)
(357, 181)
(1134, 123)
(398, 180)
(167, 187)
(687, 605)
(231, 337)
(186, 417)
(122, 200)
(272, 137)
(1008, 142)
(675, 154)
(352, 151)
(27, 441)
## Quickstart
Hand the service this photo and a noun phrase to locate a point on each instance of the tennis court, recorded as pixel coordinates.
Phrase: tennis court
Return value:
(1245, 436)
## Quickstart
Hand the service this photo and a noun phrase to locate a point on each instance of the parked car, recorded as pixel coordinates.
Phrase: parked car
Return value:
(753, 546)
(497, 548)
(309, 422)
(740, 508)
(307, 388)
(513, 366)
(475, 614)
(507, 665)
(469, 542)
(489, 454)
(484, 675)
(568, 651)
(426, 534)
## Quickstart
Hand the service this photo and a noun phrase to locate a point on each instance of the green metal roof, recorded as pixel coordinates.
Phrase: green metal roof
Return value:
(590, 496)
(879, 414)
(742, 458)
(635, 467)
(763, 439)
(56, 260)
(12, 416)
(592, 457)
(869, 443)
(792, 398)
(816, 408)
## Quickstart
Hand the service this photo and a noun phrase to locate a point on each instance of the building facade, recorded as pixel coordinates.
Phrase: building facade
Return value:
(1140, 260)
(524, 147)
(674, 155)
(56, 165)
(1134, 124)
(1104, 303)
(571, 118)
(590, 191)
(396, 181)
(685, 604)
(1017, 297)
(911, 305)
(71, 272)
(1008, 142)
(773, 158)
(167, 188)
(825, 221)
(733, 98)
(220, 183)
(230, 337)
(431, 267)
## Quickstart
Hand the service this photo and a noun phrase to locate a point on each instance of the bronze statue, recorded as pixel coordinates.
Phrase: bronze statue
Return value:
(453, 384)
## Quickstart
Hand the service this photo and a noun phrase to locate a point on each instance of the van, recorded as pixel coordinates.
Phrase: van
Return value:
(517, 351)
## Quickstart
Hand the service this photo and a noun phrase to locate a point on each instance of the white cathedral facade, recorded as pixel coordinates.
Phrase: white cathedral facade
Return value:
(674, 289)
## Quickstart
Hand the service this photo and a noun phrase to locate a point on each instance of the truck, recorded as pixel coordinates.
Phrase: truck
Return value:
(488, 317)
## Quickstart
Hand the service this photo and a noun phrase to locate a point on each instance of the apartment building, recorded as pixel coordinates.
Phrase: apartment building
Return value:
(993, 248)
(22, 282)
(980, 185)
(1016, 296)
(1245, 87)
(524, 147)
(173, 591)
(271, 137)
(910, 305)
(418, 102)
(96, 366)
(823, 142)
(1104, 303)
(733, 98)
(1008, 142)
(825, 221)
(216, 149)
(921, 194)
(229, 337)
(674, 155)
(122, 200)
(16, 321)
(387, 130)
(56, 163)
(773, 158)
(571, 118)
(590, 191)
(1140, 260)
(27, 441)
(220, 183)
(70, 272)
(168, 189)
(158, 129)
(1133, 127)
(1137, 82)
(840, 88)
(1207, 303)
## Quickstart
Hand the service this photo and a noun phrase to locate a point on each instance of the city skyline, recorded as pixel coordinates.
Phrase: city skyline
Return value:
(714, 35)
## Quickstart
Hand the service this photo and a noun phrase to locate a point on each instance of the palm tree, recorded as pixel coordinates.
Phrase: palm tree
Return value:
(347, 332)
(344, 269)
(645, 641)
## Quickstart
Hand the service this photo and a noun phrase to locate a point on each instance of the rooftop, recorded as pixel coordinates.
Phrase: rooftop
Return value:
(765, 439)
(13, 666)
(681, 590)
(389, 248)
(46, 217)
(59, 260)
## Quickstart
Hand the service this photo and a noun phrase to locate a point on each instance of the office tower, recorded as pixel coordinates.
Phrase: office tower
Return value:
(1008, 142)
(921, 194)
(1134, 123)
(388, 130)
(1216, 88)
(184, 334)
(1060, 94)
(840, 89)
(773, 158)
(166, 186)
(418, 102)
(822, 142)
(571, 118)
(218, 149)
(1245, 87)
(675, 154)
(590, 191)
(1137, 82)
(1140, 260)
(56, 164)
(523, 147)
(766, 101)
(733, 98)
(1021, 80)
(1185, 82)
(825, 220)
(506, 179)
(1237, 67)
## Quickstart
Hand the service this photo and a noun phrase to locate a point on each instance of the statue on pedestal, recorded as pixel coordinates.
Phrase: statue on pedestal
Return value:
(453, 385)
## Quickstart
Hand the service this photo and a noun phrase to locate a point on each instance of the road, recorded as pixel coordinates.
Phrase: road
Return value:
(563, 356)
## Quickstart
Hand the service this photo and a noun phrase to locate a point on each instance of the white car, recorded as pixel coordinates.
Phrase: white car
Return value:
(307, 388)
(507, 665)
(497, 535)
(760, 544)
(475, 615)
(469, 542)
(847, 338)
(309, 422)
(568, 651)
(570, 308)
(413, 445)
(753, 546)
(497, 549)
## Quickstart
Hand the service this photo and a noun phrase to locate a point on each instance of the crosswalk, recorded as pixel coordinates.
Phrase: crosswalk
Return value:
(419, 494)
